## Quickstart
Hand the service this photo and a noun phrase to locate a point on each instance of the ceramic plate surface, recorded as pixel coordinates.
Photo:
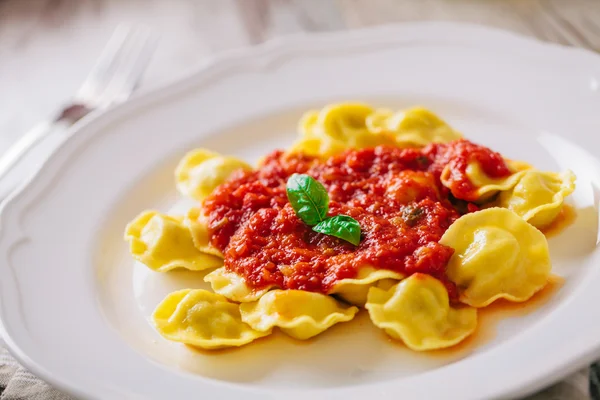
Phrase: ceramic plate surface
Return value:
(75, 308)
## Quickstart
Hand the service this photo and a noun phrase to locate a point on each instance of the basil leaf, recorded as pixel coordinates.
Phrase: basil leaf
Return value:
(310, 201)
(308, 198)
(341, 226)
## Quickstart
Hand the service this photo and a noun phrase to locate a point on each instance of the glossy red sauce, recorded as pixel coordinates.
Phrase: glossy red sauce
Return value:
(395, 195)
(456, 156)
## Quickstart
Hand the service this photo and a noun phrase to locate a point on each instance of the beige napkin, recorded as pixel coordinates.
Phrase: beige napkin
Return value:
(16, 383)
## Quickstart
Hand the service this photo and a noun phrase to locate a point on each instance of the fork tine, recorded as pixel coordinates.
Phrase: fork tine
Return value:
(97, 75)
(128, 71)
(113, 78)
(119, 67)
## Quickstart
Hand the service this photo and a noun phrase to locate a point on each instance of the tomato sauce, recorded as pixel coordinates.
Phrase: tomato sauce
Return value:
(395, 194)
(456, 156)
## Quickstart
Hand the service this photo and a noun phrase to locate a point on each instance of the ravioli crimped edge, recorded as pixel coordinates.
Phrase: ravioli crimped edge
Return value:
(417, 311)
(355, 290)
(541, 213)
(233, 286)
(514, 234)
(182, 302)
(193, 259)
(273, 309)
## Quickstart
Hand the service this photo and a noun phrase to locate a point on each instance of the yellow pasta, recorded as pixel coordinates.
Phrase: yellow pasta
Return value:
(297, 313)
(413, 127)
(201, 171)
(336, 128)
(163, 243)
(354, 290)
(538, 196)
(486, 186)
(233, 286)
(517, 165)
(203, 319)
(498, 252)
(198, 228)
(340, 121)
(417, 311)
(497, 255)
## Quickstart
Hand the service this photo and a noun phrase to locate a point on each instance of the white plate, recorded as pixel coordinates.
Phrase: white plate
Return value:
(75, 308)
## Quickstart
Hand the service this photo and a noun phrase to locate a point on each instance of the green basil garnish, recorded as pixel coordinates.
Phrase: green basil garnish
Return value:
(308, 198)
(310, 201)
(340, 226)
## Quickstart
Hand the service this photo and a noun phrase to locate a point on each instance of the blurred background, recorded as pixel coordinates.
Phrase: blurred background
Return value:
(47, 47)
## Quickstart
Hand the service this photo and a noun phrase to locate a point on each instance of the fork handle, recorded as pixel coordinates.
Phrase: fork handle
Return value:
(25, 156)
(21, 147)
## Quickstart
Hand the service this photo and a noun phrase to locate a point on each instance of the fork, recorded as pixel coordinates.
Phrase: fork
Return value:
(112, 80)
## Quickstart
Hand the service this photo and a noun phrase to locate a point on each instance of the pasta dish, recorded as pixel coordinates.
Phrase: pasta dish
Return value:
(393, 213)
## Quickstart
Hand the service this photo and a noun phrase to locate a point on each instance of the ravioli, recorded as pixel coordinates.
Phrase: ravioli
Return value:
(382, 171)
(497, 255)
(198, 228)
(233, 286)
(417, 311)
(162, 243)
(297, 313)
(487, 187)
(538, 196)
(354, 290)
(336, 128)
(202, 319)
(201, 171)
(413, 127)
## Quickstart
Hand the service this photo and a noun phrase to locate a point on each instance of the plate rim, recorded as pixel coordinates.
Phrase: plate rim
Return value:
(260, 58)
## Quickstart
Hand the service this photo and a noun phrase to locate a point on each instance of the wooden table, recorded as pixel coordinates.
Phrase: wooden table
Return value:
(48, 46)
